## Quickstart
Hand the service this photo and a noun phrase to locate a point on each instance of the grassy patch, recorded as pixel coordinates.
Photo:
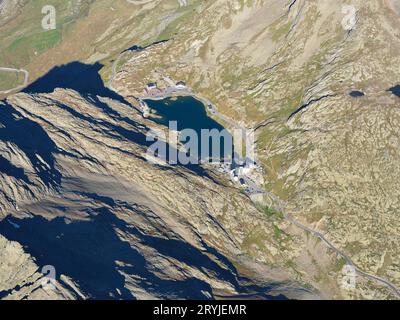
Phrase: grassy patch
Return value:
(340, 263)
(269, 212)
(27, 46)
(281, 31)
(277, 232)
(24, 37)
(173, 28)
(354, 247)
(9, 80)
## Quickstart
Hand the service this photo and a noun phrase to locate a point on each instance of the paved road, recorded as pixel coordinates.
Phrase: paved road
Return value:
(114, 71)
(115, 65)
(26, 79)
(173, 91)
(258, 190)
(319, 235)
(254, 187)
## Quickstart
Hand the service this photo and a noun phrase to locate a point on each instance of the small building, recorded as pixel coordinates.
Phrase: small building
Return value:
(180, 85)
(152, 89)
(151, 85)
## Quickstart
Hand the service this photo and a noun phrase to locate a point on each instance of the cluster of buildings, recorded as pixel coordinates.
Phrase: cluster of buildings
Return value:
(153, 90)
(180, 85)
(247, 173)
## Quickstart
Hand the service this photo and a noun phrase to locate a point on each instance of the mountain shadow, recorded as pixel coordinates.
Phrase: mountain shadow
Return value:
(356, 94)
(93, 255)
(78, 76)
(395, 90)
(33, 141)
(86, 80)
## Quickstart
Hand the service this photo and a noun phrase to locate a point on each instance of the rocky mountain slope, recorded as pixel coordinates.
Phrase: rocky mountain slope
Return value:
(292, 70)
(86, 201)
(82, 187)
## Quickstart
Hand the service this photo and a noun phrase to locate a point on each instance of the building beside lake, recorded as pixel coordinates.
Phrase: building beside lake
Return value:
(151, 86)
(181, 85)
(152, 89)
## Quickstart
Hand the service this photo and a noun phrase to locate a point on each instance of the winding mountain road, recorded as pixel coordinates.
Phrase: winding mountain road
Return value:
(289, 217)
(319, 235)
(279, 204)
(298, 224)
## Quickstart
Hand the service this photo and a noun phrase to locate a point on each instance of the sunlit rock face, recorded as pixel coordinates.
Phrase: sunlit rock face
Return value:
(86, 201)
(72, 152)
